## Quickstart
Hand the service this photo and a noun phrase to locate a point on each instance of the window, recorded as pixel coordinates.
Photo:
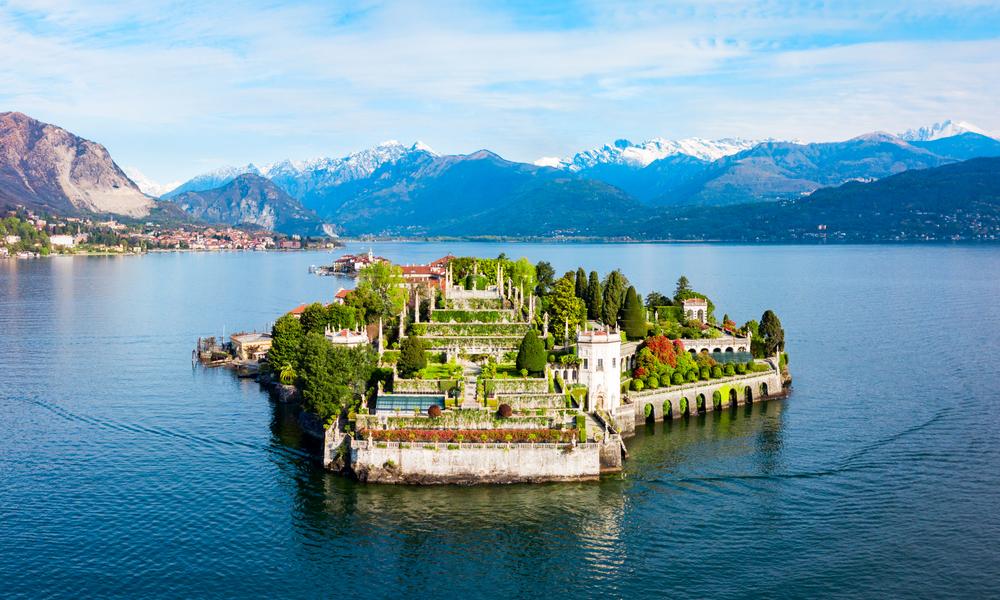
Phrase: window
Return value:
(613, 364)
(600, 364)
(585, 363)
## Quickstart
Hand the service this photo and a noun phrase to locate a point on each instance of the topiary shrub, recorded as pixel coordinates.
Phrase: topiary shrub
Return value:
(647, 410)
(505, 411)
(550, 342)
(637, 385)
(705, 373)
(412, 356)
(677, 378)
(692, 375)
(716, 372)
(653, 382)
(668, 410)
(730, 370)
(531, 353)
(433, 411)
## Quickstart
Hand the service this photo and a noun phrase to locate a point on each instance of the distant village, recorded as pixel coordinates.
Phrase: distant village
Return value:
(26, 234)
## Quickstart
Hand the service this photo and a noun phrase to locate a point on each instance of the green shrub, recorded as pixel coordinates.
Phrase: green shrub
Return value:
(531, 353)
(647, 410)
(653, 382)
(741, 369)
(668, 409)
(704, 373)
(677, 378)
(637, 385)
(581, 427)
(717, 399)
(716, 372)
(730, 370)
(550, 342)
(692, 376)
(412, 356)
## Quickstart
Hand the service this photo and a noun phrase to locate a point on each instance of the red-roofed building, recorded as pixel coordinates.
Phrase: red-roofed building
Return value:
(429, 275)
(298, 310)
(341, 296)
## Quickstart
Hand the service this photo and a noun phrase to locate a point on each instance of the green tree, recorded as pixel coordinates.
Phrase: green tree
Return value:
(564, 307)
(322, 393)
(286, 343)
(341, 316)
(545, 276)
(772, 333)
(633, 316)
(654, 299)
(412, 356)
(683, 286)
(615, 286)
(592, 296)
(381, 291)
(522, 273)
(531, 353)
(581, 283)
(314, 318)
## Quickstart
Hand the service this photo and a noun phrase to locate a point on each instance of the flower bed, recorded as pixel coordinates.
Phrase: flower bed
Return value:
(462, 342)
(484, 436)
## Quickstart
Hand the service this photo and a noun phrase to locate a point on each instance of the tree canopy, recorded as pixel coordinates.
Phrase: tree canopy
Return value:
(615, 286)
(772, 332)
(545, 277)
(564, 306)
(633, 316)
(380, 292)
(581, 283)
(593, 296)
(286, 340)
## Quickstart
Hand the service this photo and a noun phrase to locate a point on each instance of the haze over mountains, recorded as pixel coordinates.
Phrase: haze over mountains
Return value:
(398, 189)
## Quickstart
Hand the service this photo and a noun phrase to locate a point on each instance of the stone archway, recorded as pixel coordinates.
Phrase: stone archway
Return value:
(668, 410)
(763, 390)
(729, 349)
(648, 412)
(700, 403)
(716, 400)
(684, 408)
(733, 398)
(748, 395)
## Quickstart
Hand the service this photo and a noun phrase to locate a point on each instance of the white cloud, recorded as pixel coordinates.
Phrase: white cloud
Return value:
(176, 89)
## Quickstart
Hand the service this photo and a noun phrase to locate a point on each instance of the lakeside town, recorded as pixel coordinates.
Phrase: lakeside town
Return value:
(27, 234)
(491, 370)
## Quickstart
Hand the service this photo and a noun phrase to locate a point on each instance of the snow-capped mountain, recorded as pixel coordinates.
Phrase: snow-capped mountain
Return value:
(147, 185)
(624, 152)
(944, 129)
(298, 178)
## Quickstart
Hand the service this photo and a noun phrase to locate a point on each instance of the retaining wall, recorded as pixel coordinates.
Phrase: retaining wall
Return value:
(674, 393)
(394, 462)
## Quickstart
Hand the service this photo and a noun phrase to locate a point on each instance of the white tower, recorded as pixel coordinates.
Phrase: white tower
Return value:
(600, 354)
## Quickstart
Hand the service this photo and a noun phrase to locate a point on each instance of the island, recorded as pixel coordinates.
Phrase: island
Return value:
(473, 370)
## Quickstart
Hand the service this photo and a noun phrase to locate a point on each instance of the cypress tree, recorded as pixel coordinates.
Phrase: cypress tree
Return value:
(615, 285)
(531, 353)
(772, 332)
(633, 316)
(593, 297)
(581, 283)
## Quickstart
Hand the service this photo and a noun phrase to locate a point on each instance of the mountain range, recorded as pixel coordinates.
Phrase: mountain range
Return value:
(396, 189)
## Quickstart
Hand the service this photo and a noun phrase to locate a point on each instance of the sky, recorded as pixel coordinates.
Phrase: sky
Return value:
(175, 89)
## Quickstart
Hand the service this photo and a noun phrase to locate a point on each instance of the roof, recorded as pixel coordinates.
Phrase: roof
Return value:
(342, 293)
(694, 301)
(250, 338)
(409, 402)
(298, 310)
(444, 260)
(420, 270)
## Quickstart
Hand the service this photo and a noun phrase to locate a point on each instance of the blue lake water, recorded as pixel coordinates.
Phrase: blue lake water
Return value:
(126, 472)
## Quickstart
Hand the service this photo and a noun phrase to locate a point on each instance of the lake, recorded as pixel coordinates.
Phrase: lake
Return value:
(126, 471)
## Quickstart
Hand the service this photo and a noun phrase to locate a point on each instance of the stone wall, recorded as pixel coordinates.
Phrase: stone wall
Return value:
(524, 401)
(519, 385)
(394, 462)
(421, 386)
(755, 383)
